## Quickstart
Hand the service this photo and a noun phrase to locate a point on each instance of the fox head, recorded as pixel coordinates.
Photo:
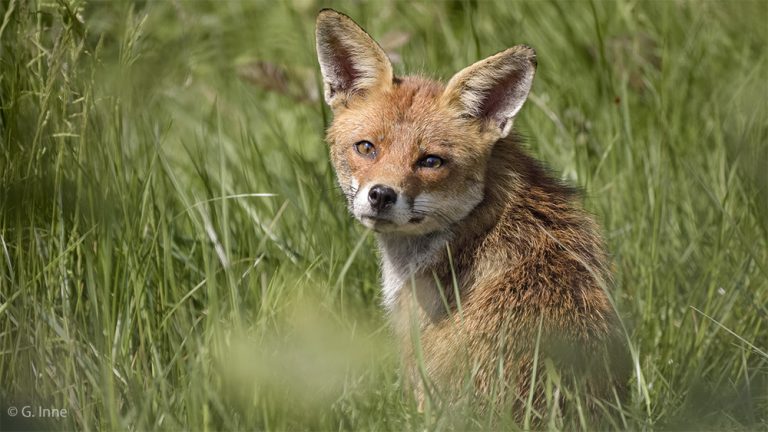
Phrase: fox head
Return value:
(410, 153)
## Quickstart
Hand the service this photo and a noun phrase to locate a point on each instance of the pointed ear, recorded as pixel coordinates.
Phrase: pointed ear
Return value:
(351, 62)
(493, 90)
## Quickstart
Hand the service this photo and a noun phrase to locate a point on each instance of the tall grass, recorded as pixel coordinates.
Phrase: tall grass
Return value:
(174, 253)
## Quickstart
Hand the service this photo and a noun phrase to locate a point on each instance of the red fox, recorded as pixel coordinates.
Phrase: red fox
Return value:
(487, 261)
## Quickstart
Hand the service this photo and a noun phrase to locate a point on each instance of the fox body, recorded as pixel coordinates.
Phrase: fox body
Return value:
(485, 257)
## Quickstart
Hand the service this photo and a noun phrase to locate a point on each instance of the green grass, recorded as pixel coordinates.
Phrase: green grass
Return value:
(144, 284)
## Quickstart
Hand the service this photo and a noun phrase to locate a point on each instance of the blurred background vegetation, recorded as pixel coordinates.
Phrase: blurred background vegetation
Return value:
(174, 253)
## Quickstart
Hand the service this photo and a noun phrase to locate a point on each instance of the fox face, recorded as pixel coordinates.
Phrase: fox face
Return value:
(401, 162)
(410, 154)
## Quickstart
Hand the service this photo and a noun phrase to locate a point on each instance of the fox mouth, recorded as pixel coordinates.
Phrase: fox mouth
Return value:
(377, 219)
(384, 224)
(385, 221)
(377, 223)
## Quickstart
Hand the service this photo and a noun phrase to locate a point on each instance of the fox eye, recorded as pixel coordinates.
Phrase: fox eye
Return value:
(431, 162)
(365, 148)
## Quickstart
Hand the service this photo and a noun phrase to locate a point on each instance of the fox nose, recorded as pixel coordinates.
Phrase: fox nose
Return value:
(381, 197)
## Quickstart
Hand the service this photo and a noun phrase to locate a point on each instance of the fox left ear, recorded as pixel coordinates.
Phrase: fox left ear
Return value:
(351, 62)
(493, 90)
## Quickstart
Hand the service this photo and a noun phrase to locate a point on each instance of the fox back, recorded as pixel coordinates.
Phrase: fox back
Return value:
(486, 259)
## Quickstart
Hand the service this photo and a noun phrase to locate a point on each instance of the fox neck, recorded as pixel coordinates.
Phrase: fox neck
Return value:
(417, 262)
(405, 257)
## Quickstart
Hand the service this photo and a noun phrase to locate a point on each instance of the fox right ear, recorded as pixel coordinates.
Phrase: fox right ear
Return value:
(493, 90)
(351, 62)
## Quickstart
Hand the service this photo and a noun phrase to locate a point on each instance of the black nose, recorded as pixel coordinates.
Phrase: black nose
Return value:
(381, 197)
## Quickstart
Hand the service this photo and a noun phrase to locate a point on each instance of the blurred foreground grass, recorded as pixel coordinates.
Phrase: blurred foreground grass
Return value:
(174, 253)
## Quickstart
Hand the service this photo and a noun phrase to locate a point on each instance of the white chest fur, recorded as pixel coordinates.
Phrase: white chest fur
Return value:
(405, 261)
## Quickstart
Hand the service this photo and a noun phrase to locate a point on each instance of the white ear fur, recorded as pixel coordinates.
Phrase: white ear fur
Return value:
(351, 62)
(494, 89)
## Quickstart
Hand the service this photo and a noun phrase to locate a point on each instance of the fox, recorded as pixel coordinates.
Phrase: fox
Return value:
(488, 262)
